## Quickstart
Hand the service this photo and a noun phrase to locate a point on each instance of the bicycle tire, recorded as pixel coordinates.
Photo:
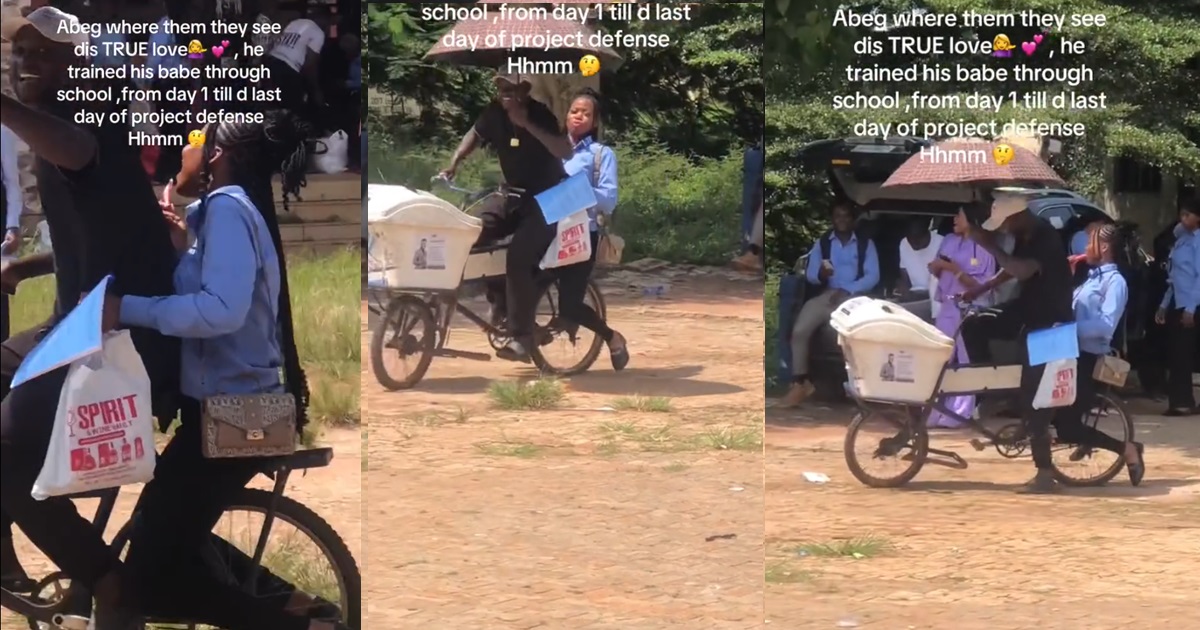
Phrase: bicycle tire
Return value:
(920, 447)
(379, 339)
(1103, 400)
(318, 530)
(593, 353)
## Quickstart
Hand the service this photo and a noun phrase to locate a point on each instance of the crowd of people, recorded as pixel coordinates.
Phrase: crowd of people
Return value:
(974, 263)
(204, 296)
(536, 153)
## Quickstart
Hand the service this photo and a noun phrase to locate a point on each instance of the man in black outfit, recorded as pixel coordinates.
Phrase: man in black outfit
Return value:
(531, 146)
(104, 220)
(1039, 263)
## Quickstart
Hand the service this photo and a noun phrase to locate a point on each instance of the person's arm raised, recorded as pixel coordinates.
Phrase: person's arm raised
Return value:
(57, 141)
(1020, 268)
(538, 120)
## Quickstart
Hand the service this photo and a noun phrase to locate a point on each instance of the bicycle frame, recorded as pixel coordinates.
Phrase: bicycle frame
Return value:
(279, 469)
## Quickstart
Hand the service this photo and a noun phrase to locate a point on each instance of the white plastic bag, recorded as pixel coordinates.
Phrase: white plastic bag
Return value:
(1058, 385)
(103, 434)
(572, 243)
(332, 153)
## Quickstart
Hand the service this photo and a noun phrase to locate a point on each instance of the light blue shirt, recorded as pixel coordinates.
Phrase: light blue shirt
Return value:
(845, 266)
(1079, 242)
(226, 302)
(584, 159)
(1183, 274)
(1099, 305)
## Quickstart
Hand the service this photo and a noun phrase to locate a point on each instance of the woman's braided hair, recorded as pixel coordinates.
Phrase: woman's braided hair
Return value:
(256, 153)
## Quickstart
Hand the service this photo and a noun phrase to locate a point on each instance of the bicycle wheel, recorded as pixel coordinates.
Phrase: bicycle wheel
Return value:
(1085, 466)
(407, 333)
(277, 580)
(896, 438)
(555, 335)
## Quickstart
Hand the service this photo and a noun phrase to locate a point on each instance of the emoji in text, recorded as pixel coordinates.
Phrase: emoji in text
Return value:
(589, 65)
(1001, 46)
(195, 49)
(196, 138)
(1003, 154)
(1028, 48)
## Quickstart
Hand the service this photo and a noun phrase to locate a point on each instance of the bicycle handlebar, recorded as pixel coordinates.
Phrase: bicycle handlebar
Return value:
(448, 184)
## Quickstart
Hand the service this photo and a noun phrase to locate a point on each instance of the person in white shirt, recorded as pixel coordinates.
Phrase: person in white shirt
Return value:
(12, 202)
(294, 63)
(918, 248)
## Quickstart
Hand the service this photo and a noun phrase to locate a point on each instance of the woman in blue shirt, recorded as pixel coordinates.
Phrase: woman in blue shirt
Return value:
(1099, 305)
(1178, 311)
(600, 163)
(232, 310)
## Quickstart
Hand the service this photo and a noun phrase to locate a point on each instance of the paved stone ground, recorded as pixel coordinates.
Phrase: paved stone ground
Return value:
(962, 551)
(578, 518)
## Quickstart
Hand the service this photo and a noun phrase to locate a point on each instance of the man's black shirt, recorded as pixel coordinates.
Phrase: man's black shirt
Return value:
(524, 160)
(1045, 298)
(105, 220)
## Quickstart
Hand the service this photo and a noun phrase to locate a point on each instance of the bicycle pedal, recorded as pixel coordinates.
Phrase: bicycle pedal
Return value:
(978, 444)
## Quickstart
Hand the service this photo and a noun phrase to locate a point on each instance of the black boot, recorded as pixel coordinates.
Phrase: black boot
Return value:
(1042, 483)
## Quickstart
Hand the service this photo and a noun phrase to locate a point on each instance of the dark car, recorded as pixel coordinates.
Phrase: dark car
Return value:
(856, 168)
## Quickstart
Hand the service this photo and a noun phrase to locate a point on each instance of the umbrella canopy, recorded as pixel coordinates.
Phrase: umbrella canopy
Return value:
(958, 162)
(500, 52)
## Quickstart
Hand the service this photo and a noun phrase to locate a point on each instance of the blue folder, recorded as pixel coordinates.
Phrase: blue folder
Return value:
(76, 337)
(566, 198)
(1052, 344)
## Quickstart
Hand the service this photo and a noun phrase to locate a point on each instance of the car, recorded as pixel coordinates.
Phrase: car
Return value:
(856, 169)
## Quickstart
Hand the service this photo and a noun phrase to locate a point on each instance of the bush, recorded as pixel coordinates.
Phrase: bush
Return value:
(771, 325)
(671, 208)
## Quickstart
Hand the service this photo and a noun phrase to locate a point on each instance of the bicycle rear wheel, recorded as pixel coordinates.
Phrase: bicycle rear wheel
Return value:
(284, 571)
(1086, 466)
(406, 332)
(558, 336)
(887, 435)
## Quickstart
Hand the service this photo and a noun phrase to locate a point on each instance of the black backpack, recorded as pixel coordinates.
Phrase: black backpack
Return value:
(859, 239)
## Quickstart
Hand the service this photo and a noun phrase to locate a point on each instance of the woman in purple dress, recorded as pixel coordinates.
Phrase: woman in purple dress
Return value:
(961, 265)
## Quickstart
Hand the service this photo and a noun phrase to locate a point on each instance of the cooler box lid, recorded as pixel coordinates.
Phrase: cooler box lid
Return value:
(404, 206)
(873, 320)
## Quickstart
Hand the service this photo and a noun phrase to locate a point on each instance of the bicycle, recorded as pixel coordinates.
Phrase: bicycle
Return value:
(415, 323)
(908, 437)
(55, 603)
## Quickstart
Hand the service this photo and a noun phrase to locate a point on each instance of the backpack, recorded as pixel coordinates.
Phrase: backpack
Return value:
(861, 241)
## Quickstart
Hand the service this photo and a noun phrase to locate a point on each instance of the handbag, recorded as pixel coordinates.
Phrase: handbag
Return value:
(609, 247)
(248, 425)
(1111, 370)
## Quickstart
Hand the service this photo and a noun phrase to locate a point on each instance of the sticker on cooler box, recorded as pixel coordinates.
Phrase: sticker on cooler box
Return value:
(430, 253)
(897, 367)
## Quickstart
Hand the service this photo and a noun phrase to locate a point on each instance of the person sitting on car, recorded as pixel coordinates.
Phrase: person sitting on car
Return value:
(843, 264)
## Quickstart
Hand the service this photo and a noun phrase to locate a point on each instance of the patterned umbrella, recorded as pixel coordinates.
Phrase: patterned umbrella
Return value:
(499, 53)
(965, 162)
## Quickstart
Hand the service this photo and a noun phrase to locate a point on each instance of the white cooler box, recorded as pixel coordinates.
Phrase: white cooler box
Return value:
(420, 240)
(891, 354)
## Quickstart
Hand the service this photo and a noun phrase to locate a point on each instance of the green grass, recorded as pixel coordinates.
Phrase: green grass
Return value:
(857, 548)
(326, 294)
(670, 207)
(781, 572)
(527, 396)
(644, 404)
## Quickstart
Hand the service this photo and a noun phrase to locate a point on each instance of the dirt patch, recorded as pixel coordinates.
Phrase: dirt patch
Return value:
(635, 503)
(959, 550)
